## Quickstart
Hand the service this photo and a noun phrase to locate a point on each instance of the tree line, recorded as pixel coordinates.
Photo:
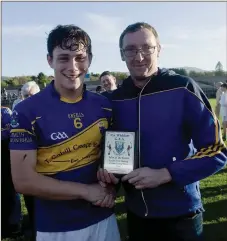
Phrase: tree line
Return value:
(42, 79)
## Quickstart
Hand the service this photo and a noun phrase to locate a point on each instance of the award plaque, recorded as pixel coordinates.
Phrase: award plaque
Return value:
(119, 155)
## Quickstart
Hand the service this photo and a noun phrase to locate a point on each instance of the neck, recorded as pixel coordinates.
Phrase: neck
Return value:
(140, 83)
(71, 95)
(112, 88)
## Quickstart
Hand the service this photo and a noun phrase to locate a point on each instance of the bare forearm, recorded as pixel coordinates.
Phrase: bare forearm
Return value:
(50, 188)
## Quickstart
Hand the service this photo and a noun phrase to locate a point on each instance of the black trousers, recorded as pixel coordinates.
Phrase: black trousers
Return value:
(29, 203)
(7, 189)
(187, 228)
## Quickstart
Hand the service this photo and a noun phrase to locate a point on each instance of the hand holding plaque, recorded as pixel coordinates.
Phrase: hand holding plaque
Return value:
(119, 152)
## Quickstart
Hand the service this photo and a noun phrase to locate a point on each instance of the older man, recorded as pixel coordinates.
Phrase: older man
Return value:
(167, 111)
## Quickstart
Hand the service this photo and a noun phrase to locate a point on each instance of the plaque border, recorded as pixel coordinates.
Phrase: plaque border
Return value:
(135, 164)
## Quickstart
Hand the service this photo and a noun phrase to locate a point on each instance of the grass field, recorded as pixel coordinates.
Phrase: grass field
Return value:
(214, 195)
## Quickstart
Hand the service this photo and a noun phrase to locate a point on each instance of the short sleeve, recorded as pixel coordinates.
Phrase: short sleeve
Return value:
(22, 134)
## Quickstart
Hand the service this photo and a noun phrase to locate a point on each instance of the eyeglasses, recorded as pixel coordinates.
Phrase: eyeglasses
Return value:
(145, 50)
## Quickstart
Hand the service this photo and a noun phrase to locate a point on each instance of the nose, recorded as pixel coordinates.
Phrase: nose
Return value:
(73, 65)
(139, 56)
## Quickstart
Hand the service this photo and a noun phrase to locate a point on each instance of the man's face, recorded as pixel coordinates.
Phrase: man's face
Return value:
(70, 67)
(140, 65)
(108, 82)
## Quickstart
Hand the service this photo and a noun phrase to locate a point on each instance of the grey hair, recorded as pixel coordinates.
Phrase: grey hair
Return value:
(27, 87)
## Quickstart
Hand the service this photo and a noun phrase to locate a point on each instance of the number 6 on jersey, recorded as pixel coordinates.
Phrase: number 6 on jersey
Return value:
(77, 123)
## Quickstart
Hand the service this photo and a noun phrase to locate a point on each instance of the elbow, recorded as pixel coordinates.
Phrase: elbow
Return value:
(22, 185)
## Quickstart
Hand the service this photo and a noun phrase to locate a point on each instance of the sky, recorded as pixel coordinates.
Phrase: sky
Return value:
(191, 33)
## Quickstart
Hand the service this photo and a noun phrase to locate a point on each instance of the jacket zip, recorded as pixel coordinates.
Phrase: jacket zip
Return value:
(139, 143)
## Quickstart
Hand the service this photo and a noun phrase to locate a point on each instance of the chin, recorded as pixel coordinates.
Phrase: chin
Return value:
(72, 87)
(141, 76)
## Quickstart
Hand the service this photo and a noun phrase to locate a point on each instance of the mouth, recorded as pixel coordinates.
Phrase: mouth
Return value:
(72, 77)
(140, 66)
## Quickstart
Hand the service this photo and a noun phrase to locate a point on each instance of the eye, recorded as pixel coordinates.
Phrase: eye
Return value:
(80, 59)
(63, 59)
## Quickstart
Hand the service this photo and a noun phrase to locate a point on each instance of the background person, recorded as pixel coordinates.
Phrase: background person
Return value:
(223, 108)
(218, 97)
(108, 82)
(11, 207)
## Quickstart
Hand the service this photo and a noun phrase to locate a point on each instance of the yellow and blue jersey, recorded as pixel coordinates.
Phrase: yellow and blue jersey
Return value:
(67, 137)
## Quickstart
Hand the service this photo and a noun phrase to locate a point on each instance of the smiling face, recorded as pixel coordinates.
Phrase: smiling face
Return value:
(70, 67)
(108, 82)
(141, 64)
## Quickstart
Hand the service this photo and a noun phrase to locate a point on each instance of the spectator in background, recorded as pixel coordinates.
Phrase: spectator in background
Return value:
(18, 100)
(108, 82)
(218, 97)
(223, 109)
(10, 201)
(29, 89)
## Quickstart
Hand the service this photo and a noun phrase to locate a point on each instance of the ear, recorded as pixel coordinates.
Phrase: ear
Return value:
(50, 60)
(159, 49)
(122, 55)
(90, 57)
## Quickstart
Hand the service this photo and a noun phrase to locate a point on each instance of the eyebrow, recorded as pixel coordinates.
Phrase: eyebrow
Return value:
(63, 55)
(68, 55)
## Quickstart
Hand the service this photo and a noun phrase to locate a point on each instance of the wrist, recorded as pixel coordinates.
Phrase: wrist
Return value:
(166, 177)
(82, 191)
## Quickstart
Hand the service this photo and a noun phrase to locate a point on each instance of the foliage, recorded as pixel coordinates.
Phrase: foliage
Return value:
(219, 69)
(180, 71)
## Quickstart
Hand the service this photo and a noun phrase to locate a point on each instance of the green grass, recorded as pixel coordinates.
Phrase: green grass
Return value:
(214, 196)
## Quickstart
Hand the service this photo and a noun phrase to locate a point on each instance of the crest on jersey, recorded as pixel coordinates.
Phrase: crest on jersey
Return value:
(14, 119)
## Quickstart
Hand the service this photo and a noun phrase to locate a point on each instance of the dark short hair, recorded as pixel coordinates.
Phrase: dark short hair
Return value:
(224, 85)
(98, 88)
(68, 37)
(104, 74)
(135, 27)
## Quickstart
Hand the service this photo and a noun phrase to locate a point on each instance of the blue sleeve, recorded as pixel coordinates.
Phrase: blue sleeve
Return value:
(205, 131)
(22, 134)
(5, 125)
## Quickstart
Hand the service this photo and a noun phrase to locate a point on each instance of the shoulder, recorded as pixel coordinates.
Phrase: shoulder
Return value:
(173, 80)
(33, 104)
(99, 99)
(5, 110)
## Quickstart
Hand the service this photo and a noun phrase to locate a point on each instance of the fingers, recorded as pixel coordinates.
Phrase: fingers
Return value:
(139, 186)
(106, 177)
(102, 184)
(114, 180)
(107, 202)
(135, 180)
(130, 175)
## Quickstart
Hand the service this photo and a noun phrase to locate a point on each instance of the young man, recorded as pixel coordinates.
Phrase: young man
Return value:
(55, 147)
(108, 82)
(162, 195)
